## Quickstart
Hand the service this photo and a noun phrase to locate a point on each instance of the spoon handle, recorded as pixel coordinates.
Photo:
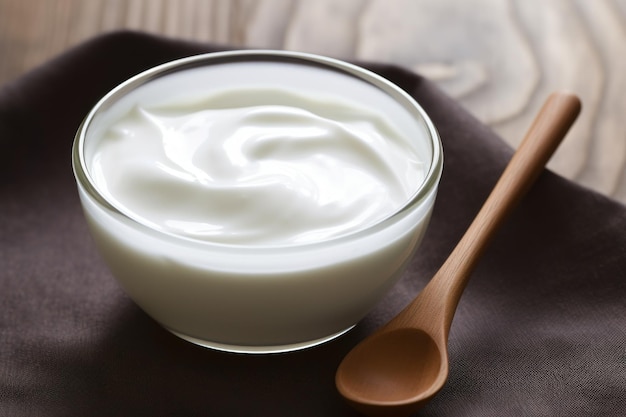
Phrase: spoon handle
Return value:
(544, 136)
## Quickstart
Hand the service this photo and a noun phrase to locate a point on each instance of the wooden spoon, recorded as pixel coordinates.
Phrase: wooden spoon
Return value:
(404, 364)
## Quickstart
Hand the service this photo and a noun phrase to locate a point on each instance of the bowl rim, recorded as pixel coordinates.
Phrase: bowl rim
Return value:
(428, 185)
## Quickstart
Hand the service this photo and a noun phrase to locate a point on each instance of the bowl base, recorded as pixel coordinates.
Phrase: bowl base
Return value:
(258, 349)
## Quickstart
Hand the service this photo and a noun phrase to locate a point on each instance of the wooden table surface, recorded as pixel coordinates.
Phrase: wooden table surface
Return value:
(498, 58)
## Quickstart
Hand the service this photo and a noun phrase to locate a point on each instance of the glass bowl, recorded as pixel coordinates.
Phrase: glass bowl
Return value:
(245, 297)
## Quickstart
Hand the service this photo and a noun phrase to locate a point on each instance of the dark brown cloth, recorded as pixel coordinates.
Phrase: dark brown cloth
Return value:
(540, 331)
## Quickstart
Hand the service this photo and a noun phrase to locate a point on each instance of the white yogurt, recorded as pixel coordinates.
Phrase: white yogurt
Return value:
(296, 169)
(257, 201)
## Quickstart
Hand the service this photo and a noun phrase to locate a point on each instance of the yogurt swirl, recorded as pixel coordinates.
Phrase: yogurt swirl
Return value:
(257, 167)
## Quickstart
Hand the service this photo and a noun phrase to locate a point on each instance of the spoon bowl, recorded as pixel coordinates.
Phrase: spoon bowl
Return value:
(401, 366)
(398, 383)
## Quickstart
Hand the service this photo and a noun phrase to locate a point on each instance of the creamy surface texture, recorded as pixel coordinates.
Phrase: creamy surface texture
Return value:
(256, 167)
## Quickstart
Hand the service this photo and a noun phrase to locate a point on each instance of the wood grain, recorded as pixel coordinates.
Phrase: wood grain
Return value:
(499, 58)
